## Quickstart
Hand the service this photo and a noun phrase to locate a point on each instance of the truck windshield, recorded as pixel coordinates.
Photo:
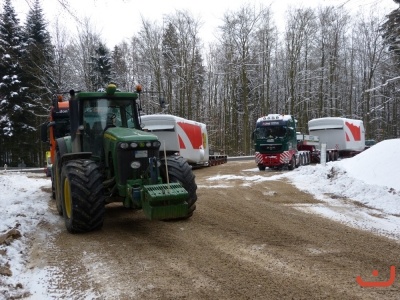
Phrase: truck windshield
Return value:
(266, 132)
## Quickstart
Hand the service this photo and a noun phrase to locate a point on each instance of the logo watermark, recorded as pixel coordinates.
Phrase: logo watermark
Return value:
(375, 273)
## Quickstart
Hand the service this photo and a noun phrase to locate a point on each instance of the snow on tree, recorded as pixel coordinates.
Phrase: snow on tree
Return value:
(101, 67)
(12, 92)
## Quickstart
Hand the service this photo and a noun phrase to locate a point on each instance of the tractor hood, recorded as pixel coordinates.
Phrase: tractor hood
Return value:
(123, 134)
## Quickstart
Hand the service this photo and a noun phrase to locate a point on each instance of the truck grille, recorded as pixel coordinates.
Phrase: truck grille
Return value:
(270, 148)
(127, 156)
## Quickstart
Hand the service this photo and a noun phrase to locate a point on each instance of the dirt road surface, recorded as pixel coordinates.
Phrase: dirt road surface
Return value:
(244, 241)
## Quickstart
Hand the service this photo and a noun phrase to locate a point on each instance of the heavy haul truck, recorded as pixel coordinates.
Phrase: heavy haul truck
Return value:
(275, 143)
(278, 145)
(107, 157)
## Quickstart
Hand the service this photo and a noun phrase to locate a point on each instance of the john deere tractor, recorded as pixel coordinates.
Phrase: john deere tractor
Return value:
(108, 158)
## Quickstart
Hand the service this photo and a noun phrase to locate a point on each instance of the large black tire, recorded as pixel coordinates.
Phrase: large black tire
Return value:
(83, 200)
(292, 163)
(180, 171)
(56, 182)
(61, 148)
(53, 188)
(261, 167)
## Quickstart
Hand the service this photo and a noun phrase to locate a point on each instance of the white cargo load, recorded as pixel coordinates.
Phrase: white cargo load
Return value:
(339, 133)
(186, 137)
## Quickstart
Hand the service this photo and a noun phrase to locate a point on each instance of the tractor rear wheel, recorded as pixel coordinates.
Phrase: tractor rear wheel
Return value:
(83, 201)
(56, 182)
(180, 171)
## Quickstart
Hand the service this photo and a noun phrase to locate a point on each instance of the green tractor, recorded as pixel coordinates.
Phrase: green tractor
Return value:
(108, 158)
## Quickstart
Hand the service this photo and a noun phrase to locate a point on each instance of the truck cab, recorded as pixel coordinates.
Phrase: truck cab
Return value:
(275, 142)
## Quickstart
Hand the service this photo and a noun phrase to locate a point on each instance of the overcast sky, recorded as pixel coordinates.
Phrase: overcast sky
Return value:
(117, 20)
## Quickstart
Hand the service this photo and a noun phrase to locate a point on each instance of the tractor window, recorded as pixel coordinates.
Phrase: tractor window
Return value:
(101, 114)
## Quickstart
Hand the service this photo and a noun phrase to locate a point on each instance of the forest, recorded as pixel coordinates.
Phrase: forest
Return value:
(325, 63)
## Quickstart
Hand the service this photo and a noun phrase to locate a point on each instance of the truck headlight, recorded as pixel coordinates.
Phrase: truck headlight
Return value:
(156, 144)
(135, 165)
(148, 144)
(134, 145)
(124, 145)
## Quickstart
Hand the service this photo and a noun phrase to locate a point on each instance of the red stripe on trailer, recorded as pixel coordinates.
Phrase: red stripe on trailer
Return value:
(181, 143)
(193, 132)
(355, 131)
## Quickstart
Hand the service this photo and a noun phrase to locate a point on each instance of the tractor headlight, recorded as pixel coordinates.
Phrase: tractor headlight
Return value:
(135, 165)
(124, 145)
(156, 144)
(134, 145)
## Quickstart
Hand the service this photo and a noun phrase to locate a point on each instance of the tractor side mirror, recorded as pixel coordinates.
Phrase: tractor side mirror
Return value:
(43, 132)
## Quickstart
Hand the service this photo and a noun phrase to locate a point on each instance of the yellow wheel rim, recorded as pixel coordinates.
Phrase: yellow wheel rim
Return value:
(57, 179)
(67, 197)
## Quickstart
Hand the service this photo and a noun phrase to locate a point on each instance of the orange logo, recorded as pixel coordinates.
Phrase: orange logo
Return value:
(375, 273)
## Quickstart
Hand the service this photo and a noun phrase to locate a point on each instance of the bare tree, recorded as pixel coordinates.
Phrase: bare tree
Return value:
(80, 51)
(300, 30)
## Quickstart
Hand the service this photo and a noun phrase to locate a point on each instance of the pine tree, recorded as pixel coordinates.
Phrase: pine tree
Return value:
(101, 63)
(38, 69)
(120, 68)
(39, 59)
(15, 108)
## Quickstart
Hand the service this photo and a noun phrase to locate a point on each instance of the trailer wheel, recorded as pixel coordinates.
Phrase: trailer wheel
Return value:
(180, 171)
(292, 164)
(82, 196)
(302, 160)
(336, 155)
(261, 167)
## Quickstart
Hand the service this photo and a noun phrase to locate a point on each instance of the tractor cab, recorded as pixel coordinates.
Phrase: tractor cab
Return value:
(100, 115)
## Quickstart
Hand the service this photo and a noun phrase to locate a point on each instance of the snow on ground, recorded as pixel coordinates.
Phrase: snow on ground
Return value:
(363, 192)
(23, 206)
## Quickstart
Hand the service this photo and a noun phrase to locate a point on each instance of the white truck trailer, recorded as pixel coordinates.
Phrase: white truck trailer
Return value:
(186, 137)
(343, 137)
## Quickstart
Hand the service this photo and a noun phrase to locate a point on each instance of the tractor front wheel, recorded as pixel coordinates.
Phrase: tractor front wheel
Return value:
(83, 202)
(56, 182)
(180, 171)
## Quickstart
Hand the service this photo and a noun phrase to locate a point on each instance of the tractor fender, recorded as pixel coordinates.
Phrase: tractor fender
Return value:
(73, 156)
(61, 146)
(64, 149)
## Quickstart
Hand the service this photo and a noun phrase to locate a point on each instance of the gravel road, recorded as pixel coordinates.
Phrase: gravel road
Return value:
(246, 240)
